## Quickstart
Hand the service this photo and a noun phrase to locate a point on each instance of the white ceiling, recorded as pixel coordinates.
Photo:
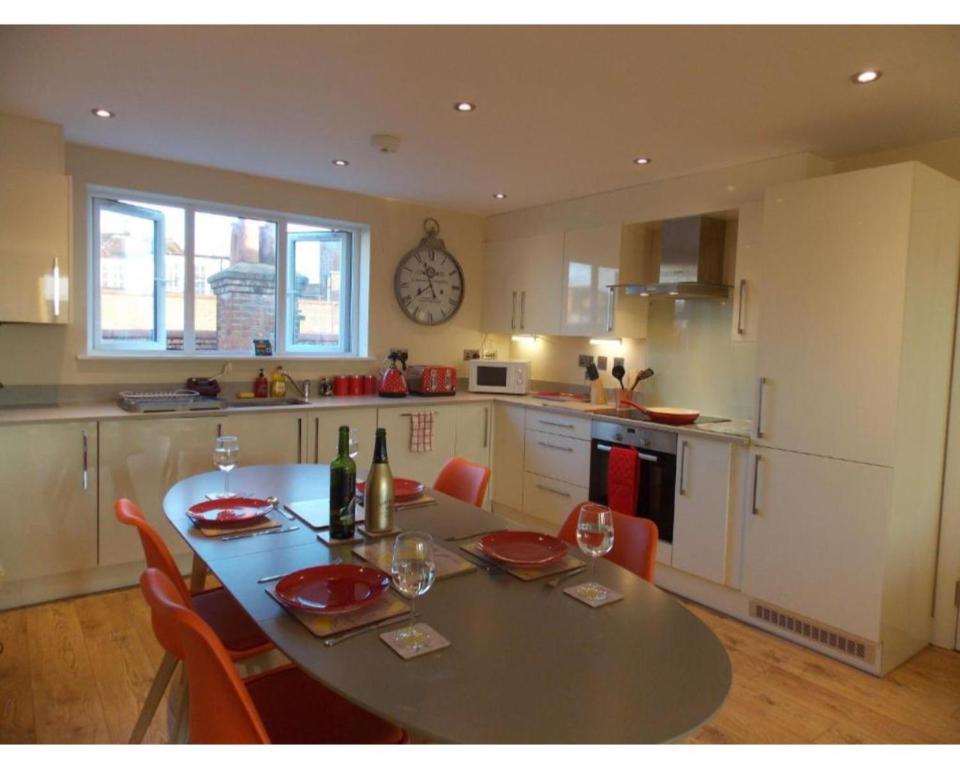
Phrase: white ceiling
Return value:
(562, 110)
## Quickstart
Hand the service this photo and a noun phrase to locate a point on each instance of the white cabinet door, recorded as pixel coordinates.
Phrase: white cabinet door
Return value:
(560, 457)
(591, 262)
(473, 436)
(323, 430)
(507, 478)
(701, 507)
(501, 292)
(34, 247)
(140, 459)
(540, 260)
(267, 438)
(423, 466)
(550, 500)
(746, 285)
(49, 523)
(815, 537)
(832, 304)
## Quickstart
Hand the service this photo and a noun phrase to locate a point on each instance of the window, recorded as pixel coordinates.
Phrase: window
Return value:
(181, 278)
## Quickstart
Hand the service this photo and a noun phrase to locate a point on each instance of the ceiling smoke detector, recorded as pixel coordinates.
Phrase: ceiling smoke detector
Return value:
(385, 142)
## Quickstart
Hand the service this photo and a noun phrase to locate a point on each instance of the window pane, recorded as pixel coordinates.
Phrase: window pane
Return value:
(235, 270)
(318, 285)
(174, 234)
(128, 262)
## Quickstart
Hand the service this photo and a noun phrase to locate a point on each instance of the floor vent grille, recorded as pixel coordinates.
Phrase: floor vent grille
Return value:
(822, 634)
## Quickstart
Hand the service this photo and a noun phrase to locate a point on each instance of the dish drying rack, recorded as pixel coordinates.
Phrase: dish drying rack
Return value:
(172, 400)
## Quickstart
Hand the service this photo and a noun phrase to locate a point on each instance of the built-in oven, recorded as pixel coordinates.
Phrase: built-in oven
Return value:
(657, 450)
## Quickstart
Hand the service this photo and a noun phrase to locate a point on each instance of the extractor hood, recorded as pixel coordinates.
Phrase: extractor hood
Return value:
(691, 261)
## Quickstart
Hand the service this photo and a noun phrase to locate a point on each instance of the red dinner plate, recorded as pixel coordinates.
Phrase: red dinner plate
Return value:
(228, 511)
(332, 589)
(523, 548)
(403, 489)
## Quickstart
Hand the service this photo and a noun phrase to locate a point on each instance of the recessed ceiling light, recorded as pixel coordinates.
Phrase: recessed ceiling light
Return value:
(867, 76)
(641, 160)
(500, 195)
(101, 112)
(341, 163)
(464, 106)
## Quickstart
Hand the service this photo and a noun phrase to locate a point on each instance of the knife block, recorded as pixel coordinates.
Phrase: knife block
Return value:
(598, 394)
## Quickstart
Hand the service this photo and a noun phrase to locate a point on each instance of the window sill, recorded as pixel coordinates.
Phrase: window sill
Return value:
(99, 356)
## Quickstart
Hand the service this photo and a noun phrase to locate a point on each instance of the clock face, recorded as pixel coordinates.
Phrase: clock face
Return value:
(429, 285)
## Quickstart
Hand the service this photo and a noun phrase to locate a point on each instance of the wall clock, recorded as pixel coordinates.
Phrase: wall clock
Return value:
(429, 282)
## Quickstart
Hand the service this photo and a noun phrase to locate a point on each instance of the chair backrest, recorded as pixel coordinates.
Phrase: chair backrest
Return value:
(634, 541)
(154, 548)
(463, 480)
(221, 710)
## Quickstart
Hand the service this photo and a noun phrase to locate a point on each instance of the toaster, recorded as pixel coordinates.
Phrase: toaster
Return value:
(432, 380)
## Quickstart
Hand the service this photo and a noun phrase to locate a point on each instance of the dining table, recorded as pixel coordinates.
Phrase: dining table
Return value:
(526, 663)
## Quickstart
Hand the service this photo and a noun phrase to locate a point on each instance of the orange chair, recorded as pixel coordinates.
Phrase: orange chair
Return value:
(634, 541)
(239, 633)
(463, 480)
(281, 706)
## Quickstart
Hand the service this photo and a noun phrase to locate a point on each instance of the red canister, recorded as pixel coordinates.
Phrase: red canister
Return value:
(341, 386)
(356, 385)
(369, 385)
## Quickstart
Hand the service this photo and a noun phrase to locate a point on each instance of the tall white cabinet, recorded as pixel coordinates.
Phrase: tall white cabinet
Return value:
(859, 290)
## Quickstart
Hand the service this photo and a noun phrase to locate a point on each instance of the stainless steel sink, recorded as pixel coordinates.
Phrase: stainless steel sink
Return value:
(268, 402)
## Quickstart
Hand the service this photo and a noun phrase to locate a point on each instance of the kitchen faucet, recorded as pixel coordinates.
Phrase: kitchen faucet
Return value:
(304, 391)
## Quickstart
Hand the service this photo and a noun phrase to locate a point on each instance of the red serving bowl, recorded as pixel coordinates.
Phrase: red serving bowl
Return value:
(237, 510)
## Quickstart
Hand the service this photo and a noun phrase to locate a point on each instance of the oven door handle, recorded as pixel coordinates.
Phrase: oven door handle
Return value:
(640, 454)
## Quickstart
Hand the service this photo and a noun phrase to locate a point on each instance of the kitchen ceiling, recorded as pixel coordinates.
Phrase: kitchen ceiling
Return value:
(560, 111)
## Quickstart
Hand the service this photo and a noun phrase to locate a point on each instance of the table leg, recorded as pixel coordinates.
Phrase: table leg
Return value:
(198, 575)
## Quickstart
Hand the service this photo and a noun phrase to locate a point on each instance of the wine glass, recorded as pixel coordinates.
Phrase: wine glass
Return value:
(413, 570)
(225, 456)
(354, 444)
(595, 538)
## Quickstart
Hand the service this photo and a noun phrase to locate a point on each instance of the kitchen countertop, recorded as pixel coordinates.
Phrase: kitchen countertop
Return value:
(736, 430)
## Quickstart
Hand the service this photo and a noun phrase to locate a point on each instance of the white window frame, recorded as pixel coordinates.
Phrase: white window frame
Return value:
(354, 328)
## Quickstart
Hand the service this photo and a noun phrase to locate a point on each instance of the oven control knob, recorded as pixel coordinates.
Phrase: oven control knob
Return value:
(644, 442)
(618, 437)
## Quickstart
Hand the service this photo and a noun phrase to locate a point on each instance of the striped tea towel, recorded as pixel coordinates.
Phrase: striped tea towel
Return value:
(421, 432)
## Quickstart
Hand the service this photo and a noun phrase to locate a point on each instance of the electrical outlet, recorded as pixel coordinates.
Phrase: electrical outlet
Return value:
(584, 360)
(617, 361)
(602, 363)
(471, 354)
(492, 355)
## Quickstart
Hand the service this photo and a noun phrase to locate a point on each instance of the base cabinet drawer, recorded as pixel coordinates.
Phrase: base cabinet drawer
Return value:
(562, 458)
(558, 424)
(549, 499)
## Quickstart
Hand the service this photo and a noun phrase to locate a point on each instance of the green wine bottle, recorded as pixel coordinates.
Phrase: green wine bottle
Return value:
(343, 488)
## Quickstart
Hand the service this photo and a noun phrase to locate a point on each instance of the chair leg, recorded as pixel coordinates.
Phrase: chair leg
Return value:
(181, 723)
(160, 682)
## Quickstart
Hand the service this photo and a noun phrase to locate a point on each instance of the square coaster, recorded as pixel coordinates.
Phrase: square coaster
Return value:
(432, 641)
(324, 537)
(584, 593)
(379, 534)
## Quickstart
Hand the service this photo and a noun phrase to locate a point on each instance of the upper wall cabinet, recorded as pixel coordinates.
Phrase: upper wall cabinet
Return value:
(594, 259)
(34, 247)
(522, 284)
(746, 286)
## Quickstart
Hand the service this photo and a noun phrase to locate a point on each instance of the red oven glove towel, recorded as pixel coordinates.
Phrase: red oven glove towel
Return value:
(623, 480)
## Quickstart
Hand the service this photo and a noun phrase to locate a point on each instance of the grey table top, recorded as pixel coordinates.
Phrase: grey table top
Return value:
(527, 663)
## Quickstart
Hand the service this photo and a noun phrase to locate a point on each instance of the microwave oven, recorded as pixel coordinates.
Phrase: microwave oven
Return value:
(508, 377)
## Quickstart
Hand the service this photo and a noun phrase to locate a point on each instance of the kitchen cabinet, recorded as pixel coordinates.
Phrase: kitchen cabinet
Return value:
(425, 465)
(549, 499)
(268, 438)
(702, 507)
(815, 538)
(323, 433)
(140, 459)
(49, 481)
(593, 259)
(508, 438)
(522, 284)
(559, 457)
(473, 436)
(746, 283)
(35, 247)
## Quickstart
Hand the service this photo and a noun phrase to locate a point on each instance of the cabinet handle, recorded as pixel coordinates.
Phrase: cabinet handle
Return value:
(743, 288)
(760, 386)
(553, 490)
(86, 460)
(513, 314)
(316, 440)
(555, 447)
(555, 424)
(300, 441)
(756, 473)
(219, 430)
(523, 310)
(613, 295)
(486, 426)
(640, 454)
(56, 286)
(683, 467)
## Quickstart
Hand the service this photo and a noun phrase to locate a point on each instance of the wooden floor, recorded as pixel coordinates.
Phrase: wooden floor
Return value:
(76, 671)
